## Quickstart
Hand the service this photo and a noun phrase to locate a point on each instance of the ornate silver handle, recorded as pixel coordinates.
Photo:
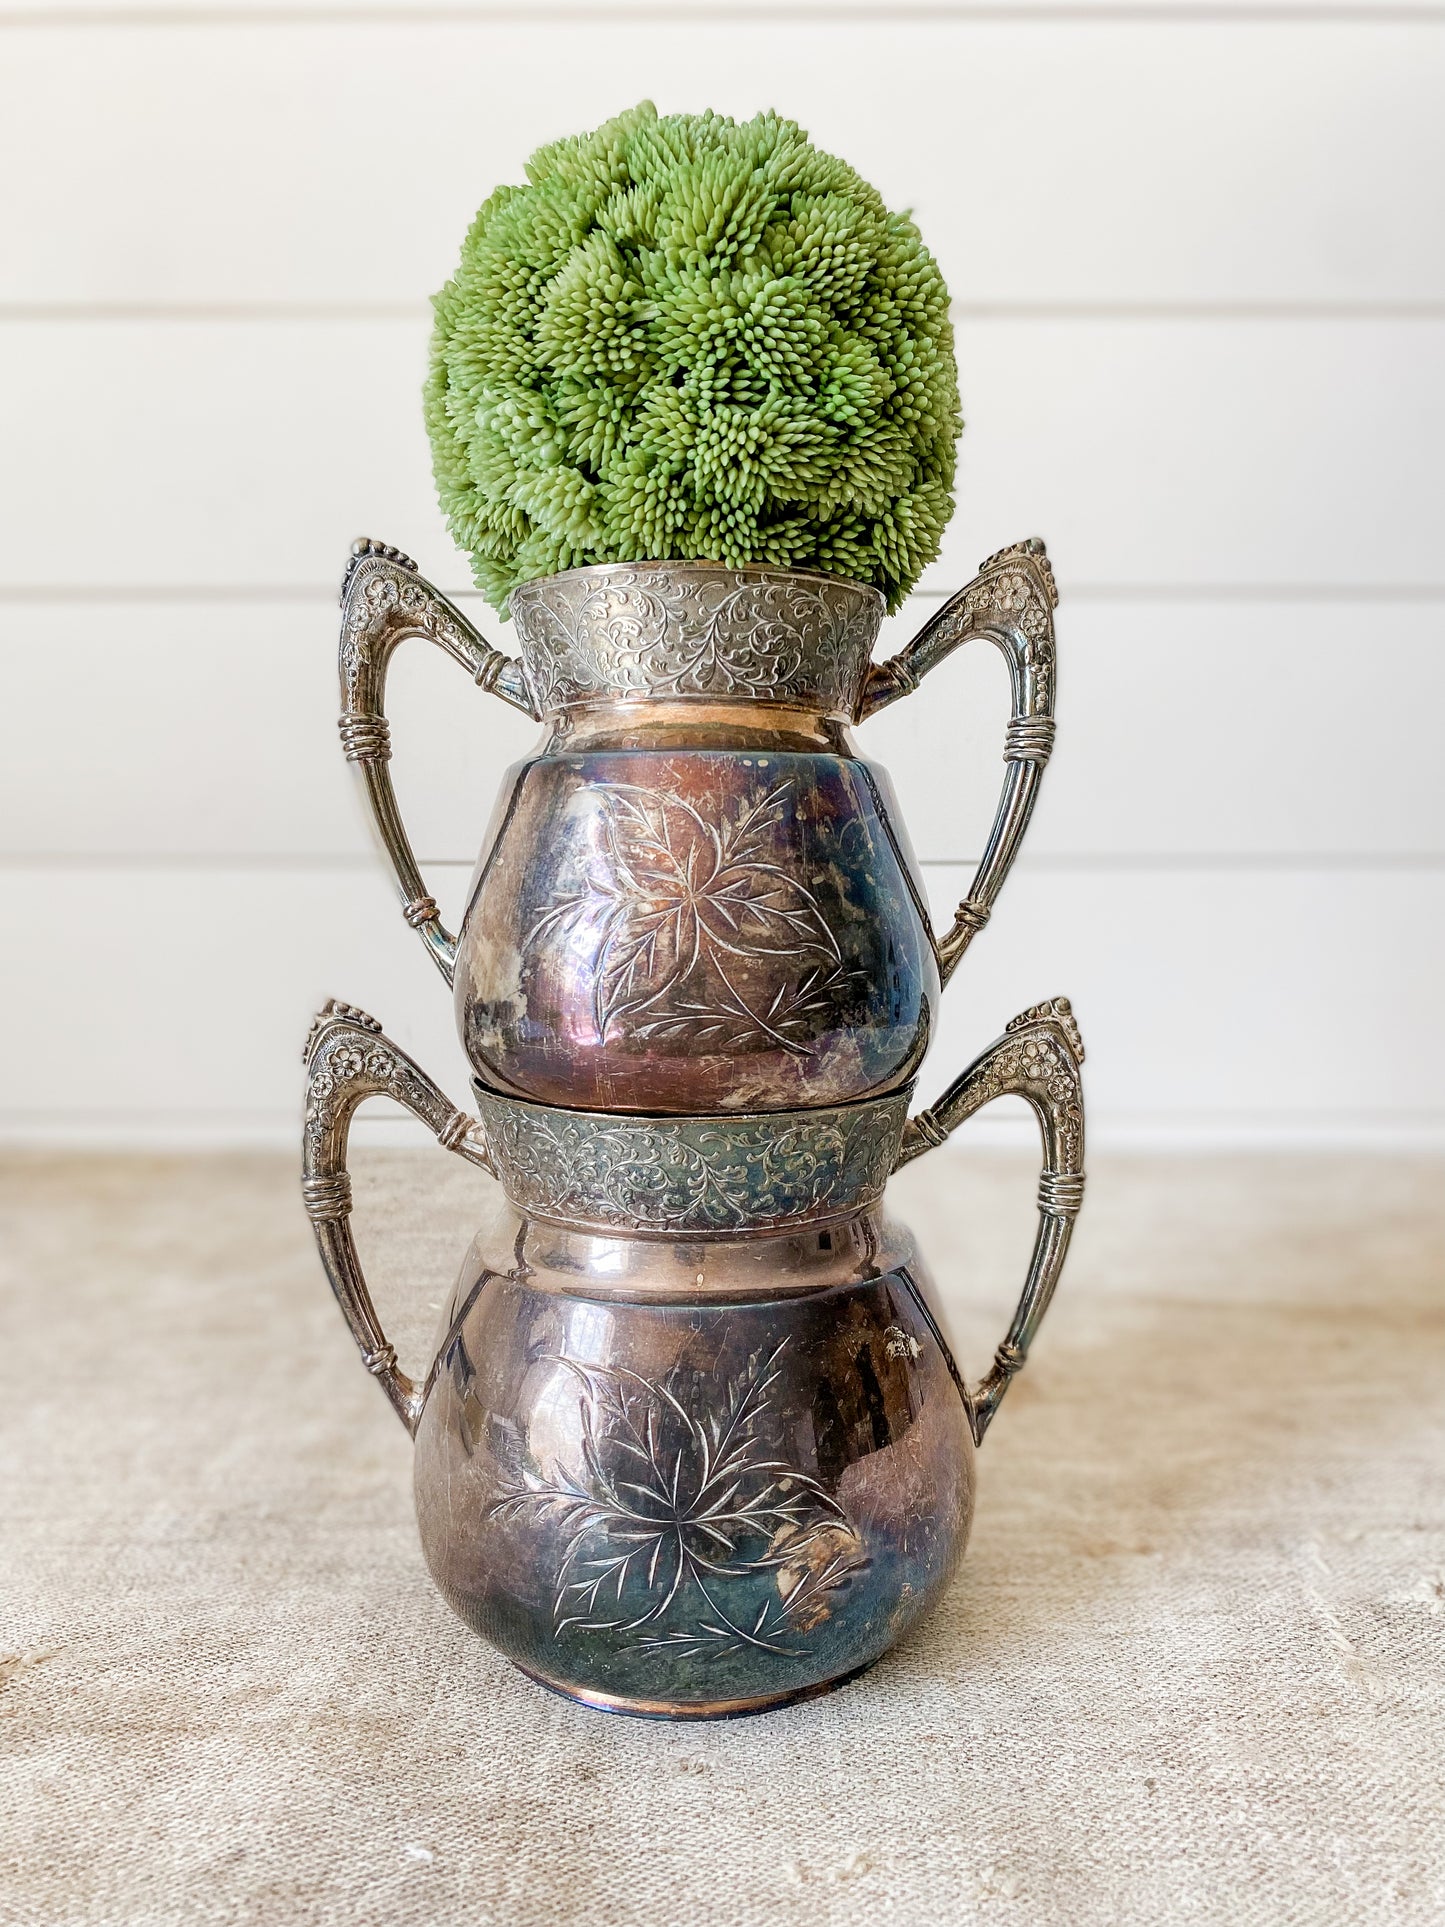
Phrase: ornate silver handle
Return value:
(1038, 1058)
(1011, 601)
(383, 602)
(348, 1060)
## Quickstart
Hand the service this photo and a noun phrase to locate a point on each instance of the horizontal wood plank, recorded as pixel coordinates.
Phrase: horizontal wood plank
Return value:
(1230, 1005)
(569, 13)
(1244, 453)
(1184, 732)
(1115, 162)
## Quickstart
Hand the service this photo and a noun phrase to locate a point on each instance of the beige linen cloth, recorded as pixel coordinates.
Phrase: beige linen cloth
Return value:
(1193, 1668)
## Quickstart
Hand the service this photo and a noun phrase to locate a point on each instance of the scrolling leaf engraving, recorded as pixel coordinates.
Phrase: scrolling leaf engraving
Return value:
(690, 905)
(683, 630)
(693, 1175)
(688, 1531)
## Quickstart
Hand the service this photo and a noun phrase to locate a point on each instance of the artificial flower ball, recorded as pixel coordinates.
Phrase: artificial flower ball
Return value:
(690, 338)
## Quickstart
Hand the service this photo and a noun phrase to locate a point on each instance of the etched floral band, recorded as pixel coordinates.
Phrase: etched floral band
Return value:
(697, 631)
(692, 1176)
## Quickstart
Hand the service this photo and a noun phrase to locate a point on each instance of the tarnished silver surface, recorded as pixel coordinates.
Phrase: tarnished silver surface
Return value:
(692, 1442)
(692, 1504)
(693, 884)
(637, 630)
(679, 928)
(692, 1176)
(682, 1545)
(695, 1178)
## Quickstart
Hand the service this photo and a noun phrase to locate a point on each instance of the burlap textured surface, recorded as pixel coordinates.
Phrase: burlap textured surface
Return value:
(1193, 1669)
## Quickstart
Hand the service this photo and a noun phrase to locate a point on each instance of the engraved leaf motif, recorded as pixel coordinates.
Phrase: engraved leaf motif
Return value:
(669, 1507)
(728, 1020)
(685, 897)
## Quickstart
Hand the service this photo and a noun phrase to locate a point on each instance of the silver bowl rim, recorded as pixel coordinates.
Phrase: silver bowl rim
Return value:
(758, 571)
(643, 1120)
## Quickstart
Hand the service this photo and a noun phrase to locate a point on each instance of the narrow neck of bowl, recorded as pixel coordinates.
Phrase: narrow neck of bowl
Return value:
(633, 1268)
(697, 722)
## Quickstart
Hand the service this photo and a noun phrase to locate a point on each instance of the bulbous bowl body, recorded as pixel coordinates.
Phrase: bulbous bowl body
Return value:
(678, 928)
(697, 896)
(692, 1478)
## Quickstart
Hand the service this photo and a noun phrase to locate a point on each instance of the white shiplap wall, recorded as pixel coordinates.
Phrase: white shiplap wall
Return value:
(1200, 292)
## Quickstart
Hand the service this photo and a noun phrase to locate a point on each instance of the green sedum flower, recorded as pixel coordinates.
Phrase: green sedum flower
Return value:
(687, 338)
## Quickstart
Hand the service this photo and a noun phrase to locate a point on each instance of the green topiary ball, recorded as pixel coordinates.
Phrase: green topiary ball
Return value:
(687, 338)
